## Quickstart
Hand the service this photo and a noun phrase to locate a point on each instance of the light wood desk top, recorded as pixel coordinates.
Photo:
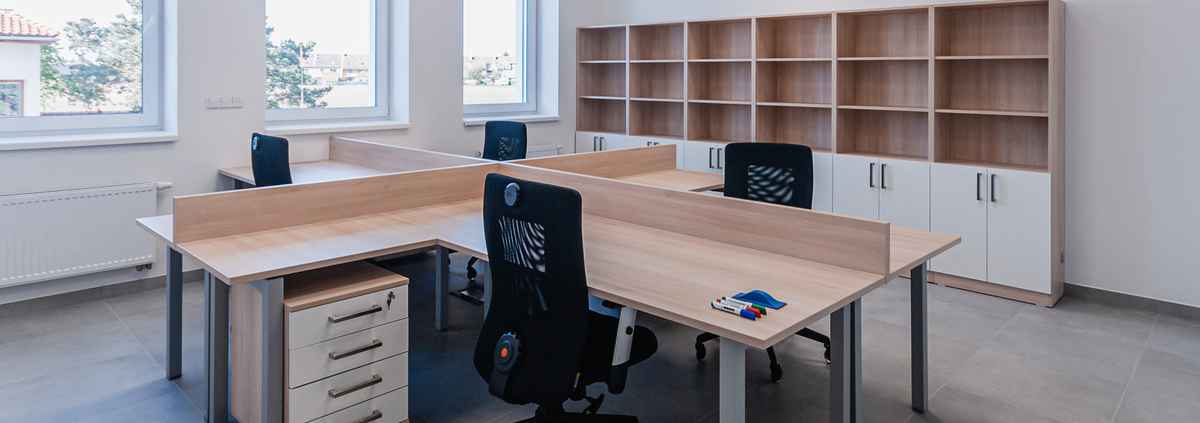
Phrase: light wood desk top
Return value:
(308, 172)
(677, 179)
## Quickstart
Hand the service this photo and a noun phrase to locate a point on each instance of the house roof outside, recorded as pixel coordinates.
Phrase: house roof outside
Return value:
(14, 26)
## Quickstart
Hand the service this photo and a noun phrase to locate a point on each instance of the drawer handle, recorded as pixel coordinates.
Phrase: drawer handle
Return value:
(337, 392)
(338, 355)
(338, 319)
(375, 415)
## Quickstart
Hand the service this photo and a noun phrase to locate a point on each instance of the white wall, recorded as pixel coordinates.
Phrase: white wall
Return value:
(23, 62)
(220, 52)
(1133, 112)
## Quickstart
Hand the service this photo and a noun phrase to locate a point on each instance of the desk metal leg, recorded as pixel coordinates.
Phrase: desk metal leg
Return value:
(272, 348)
(216, 352)
(920, 338)
(174, 314)
(441, 290)
(487, 287)
(733, 381)
(845, 372)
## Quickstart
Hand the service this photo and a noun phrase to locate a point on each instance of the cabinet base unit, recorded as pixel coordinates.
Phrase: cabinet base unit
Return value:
(1018, 294)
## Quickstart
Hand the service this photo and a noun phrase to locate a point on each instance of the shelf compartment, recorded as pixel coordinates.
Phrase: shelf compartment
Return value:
(724, 81)
(891, 33)
(597, 115)
(883, 133)
(796, 125)
(656, 80)
(719, 122)
(602, 79)
(656, 119)
(993, 29)
(795, 37)
(1021, 85)
(606, 43)
(656, 42)
(795, 82)
(720, 40)
(1016, 141)
(890, 83)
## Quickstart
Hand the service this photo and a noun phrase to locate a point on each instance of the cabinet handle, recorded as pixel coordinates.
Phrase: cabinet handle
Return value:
(338, 355)
(710, 156)
(993, 187)
(375, 415)
(372, 310)
(979, 186)
(595, 143)
(719, 157)
(601, 143)
(883, 176)
(871, 177)
(338, 392)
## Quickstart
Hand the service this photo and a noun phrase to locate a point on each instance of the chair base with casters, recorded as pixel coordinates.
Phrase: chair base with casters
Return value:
(559, 416)
(776, 369)
(473, 292)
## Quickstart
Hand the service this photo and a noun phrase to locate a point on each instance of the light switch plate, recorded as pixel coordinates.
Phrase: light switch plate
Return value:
(226, 102)
(212, 102)
(237, 102)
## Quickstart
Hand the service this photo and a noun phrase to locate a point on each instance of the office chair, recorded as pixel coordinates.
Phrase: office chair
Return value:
(502, 140)
(771, 173)
(539, 342)
(269, 158)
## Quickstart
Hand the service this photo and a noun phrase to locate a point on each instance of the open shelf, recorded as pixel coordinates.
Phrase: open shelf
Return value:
(596, 115)
(886, 108)
(993, 29)
(892, 83)
(796, 125)
(1017, 141)
(993, 112)
(795, 37)
(606, 43)
(727, 81)
(891, 33)
(994, 57)
(720, 39)
(719, 122)
(656, 80)
(656, 119)
(656, 42)
(1002, 85)
(883, 133)
(602, 79)
(795, 82)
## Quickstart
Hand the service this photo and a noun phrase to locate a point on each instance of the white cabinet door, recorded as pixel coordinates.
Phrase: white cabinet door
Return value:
(701, 156)
(636, 141)
(586, 142)
(822, 182)
(958, 201)
(904, 193)
(1019, 230)
(612, 142)
(856, 186)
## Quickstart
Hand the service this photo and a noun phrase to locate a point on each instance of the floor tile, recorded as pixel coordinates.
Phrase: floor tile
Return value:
(172, 407)
(75, 317)
(950, 405)
(1176, 336)
(88, 390)
(956, 314)
(1142, 405)
(1107, 357)
(1129, 325)
(1169, 373)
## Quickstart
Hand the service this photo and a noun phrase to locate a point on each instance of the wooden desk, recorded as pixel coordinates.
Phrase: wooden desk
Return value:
(304, 173)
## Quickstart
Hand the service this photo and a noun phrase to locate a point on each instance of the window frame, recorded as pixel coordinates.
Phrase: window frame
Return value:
(526, 49)
(381, 27)
(151, 117)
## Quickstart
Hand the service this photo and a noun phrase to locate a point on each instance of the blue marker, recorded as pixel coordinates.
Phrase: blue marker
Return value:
(734, 310)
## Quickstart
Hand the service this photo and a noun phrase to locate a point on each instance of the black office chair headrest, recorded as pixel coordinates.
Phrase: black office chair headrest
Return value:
(269, 159)
(504, 140)
(769, 172)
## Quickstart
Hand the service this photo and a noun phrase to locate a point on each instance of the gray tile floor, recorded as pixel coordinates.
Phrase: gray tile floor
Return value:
(991, 360)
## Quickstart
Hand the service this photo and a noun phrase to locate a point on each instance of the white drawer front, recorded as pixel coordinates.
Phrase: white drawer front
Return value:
(392, 408)
(314, 362)
(307, 327)
(315, 399)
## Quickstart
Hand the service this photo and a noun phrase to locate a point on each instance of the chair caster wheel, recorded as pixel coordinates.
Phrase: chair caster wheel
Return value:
(828, 355)
(701, 352)
(776, 372)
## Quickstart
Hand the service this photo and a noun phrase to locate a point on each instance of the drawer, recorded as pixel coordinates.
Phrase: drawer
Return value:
(313, 325)
(314, 362)
(317, 399)
(391, 407)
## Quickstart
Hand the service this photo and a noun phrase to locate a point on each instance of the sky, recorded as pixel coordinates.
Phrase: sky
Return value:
(489, 27)
(345, 28)
(56, 14)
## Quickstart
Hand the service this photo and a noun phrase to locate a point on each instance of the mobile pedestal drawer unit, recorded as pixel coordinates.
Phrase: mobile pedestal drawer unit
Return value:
(345, 347)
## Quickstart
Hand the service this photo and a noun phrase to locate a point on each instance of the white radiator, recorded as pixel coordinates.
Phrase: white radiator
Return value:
(541, 150)
(55, 234)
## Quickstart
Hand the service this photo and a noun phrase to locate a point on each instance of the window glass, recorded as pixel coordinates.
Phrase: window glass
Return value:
(320, 54)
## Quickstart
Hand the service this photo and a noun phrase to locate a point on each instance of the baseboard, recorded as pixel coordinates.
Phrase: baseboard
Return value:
(1011, 293)
(35, 305)
(1105, 296)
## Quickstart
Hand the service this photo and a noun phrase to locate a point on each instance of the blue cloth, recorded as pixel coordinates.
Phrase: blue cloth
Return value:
(760, 298)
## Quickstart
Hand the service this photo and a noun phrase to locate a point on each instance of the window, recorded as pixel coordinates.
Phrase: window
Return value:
(499, 56)
(326, 60)
(76, 65)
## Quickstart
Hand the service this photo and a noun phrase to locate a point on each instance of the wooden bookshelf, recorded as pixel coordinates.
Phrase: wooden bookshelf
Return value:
(892, 83)
(719, 122)
(656, 118)
(796, 125)
(1013, 85)
(795, 82)
(730, 39)
(603, 43)
(883, 133)
(601, 115)
(1020, 142)
(656, 42)
(602, 79)
(722, 81)
(656, 80)
(888, 33)
(795, 37)
(993, 29)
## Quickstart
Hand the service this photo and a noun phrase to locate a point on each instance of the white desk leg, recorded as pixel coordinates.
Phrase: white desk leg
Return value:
(216, 353)
(920, 338)
(271, 348)
(845, 371)
(733, 381)
(441, 289)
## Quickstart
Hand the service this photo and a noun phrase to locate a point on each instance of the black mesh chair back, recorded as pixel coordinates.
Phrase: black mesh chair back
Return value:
(269, 158)
(504, 140)
(772, 173)
(539, 289)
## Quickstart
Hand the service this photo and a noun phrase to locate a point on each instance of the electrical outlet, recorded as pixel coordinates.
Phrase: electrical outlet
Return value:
(212, 102)
(226, 102)
(237, 102)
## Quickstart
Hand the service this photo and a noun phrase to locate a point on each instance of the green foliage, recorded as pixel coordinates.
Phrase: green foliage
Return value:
(53, 81)
(286, 80)
(106, 63)
(477, 73)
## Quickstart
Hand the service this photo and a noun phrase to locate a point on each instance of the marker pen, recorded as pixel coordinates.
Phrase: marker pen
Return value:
(747, 304)
(734, 310)
(742, 306)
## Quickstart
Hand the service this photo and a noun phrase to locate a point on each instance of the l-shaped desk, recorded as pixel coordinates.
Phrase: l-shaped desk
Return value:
(694, 247)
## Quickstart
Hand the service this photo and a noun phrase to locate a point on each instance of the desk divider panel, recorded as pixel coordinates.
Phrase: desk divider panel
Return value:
(390, 158)
(847, 242)
(611, 163)
(214, 215)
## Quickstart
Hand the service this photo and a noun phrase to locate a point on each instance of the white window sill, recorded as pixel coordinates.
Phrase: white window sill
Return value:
(85, 140)
(480, 120)
(330, 128)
